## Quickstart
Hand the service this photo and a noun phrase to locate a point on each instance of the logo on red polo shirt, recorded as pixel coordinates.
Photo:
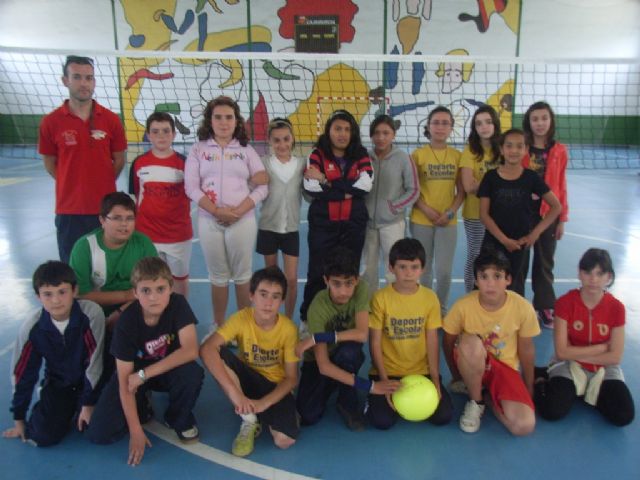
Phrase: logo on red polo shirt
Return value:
(98, 134)
(70, 137)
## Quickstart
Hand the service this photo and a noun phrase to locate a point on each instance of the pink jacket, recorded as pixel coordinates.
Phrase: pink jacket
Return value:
(555, 178)
(223, 174)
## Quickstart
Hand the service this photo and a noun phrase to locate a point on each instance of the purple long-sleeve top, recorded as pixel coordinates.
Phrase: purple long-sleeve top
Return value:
(223, 173)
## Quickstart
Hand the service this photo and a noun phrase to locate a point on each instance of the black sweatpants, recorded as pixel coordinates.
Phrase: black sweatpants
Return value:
(554, 398)
(315, 389)
(51, 416)
(542, 278)
(323, 237)
(183, 383)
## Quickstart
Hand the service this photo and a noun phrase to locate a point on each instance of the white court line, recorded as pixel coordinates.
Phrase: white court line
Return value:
(6, 349)
(222, 458)
(597, 239)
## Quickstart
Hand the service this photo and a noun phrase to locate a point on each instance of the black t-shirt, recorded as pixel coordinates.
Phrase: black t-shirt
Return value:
(135, 341)
(513, 204)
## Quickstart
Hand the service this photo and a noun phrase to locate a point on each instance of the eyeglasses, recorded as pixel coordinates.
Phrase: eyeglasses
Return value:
(440, 123)
(120, 219)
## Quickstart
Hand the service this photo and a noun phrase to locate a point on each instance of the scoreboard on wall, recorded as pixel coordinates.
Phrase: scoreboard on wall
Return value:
(317, 33)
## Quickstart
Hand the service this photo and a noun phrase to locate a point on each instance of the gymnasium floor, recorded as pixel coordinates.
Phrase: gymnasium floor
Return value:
(604, 213)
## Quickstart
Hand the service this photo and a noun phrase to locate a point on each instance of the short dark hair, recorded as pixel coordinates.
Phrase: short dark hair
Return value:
(150, 268)
(53, 273)
(112, 199)
(271, 274)
(380, 119)
(597, 257)
(407, 249)
(160, 117)
(439, 109)
(526, 122)
(340, 262)
(75, 59)
(488, 258)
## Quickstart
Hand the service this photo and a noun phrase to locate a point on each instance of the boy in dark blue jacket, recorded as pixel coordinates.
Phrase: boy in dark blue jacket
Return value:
(68, 335)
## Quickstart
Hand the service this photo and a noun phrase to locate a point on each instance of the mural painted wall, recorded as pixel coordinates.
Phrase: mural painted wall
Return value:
(308, 91)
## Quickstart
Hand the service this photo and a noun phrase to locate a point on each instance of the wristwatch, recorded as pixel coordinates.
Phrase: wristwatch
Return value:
(142, 376)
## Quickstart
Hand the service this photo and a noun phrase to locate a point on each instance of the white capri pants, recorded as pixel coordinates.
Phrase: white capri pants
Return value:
(228, 251)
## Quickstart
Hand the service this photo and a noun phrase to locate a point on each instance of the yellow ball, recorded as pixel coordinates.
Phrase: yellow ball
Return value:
(416, 399)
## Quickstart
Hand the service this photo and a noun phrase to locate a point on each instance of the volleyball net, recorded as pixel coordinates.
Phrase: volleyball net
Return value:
(596, 102)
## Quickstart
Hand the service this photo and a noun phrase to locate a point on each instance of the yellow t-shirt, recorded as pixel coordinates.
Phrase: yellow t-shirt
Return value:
(471, 209)
(404, 320)
(437, 173)
(499, 330)
(265, 351)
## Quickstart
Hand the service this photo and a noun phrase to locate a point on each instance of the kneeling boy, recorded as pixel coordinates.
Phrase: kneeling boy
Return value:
(67, 334)
(156, 347)
(260, 380)
(338, 315)
(494, 330)
(403, 334)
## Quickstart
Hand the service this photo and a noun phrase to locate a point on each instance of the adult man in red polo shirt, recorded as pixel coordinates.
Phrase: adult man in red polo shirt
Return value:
(83, 148)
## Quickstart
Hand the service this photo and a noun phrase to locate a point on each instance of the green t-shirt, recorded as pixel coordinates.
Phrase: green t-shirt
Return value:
(103, 269)
(325, 316)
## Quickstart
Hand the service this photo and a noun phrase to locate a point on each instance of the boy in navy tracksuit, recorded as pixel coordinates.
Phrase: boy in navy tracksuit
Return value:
(67, 334)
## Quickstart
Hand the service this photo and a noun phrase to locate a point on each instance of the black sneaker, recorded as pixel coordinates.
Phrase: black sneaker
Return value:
(545, 317)
(354, 420)
(540, 374)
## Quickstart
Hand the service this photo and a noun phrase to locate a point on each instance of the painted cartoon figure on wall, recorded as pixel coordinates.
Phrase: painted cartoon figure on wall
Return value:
(408, 16)
(509, 10)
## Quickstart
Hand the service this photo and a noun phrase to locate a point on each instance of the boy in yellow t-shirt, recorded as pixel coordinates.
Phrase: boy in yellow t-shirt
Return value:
(258, 381)
(403, 333)
(488, 336)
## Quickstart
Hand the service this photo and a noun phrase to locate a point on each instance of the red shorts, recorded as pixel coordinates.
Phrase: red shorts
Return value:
(504, 383)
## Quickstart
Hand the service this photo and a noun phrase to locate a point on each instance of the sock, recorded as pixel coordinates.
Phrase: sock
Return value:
(249, 417)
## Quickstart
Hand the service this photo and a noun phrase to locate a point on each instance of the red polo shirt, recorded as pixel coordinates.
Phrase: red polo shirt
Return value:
(83, 151)
(589, 327)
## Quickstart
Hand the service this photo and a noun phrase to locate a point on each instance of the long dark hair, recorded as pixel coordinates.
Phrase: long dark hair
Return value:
(475, 142)
(526, 122)
(354, 150)
(205, 130)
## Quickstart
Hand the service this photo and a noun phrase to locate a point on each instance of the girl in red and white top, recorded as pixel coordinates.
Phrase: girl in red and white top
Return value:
(589, 342)
(549, 159)
(225, 177)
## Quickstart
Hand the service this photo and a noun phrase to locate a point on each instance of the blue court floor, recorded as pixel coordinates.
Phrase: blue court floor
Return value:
(604, 212)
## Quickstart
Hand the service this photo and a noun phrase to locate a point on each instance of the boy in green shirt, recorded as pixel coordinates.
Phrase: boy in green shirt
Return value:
(338, 315)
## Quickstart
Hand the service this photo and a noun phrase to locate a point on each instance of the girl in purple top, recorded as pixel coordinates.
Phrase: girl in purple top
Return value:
(225, 177)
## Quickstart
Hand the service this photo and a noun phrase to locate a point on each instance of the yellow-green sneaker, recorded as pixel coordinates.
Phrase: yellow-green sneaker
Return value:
(243, 443)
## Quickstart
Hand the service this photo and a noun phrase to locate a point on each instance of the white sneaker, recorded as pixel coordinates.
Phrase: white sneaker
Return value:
(470, 418)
